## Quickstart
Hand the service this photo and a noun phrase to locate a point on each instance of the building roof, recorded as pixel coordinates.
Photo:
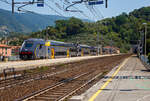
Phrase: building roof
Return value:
(108, 47)
(15, 47)
(4, 46)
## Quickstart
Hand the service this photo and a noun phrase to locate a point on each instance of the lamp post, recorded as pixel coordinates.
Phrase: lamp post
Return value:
(46, 38)
(98, 46)
(99, 42)
(97, 35)
(145, 24)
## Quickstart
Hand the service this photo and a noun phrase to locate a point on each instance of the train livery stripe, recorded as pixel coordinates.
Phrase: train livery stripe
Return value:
(35, 51)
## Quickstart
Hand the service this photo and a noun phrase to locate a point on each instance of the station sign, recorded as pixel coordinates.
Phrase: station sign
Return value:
(40, 3)
(96, 2)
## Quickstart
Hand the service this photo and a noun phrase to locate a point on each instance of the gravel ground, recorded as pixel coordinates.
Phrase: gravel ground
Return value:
(22, 65)
(100, 65)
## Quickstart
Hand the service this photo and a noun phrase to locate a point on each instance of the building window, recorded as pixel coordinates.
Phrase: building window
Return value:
(2, 52)
(6, 51)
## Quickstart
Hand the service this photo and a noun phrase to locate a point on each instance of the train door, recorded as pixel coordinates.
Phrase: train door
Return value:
(89, 52)
(52, 53)
(68, 55)
(82, 52)
(42, 51)
(36, 52)
(39, 51)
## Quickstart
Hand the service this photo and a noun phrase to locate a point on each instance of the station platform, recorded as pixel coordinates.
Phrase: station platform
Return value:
(129, 81)
(22, 65)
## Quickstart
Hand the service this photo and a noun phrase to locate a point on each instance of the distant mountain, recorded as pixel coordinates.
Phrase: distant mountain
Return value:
(26, 22)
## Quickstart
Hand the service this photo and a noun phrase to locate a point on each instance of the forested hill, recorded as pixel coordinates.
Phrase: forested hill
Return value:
(26, 22)
(120, 31)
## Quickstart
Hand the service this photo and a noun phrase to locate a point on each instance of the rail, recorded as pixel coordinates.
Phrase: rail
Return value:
(62, 86)
(22, 78)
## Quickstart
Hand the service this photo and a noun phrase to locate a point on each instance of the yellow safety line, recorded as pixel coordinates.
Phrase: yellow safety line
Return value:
(107, 82)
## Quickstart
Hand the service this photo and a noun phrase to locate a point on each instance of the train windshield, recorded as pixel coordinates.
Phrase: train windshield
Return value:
(28, 44)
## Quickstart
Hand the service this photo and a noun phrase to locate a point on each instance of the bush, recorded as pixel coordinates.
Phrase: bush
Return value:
(149, 57)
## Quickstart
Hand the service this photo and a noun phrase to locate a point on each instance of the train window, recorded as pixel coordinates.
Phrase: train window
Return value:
(28, 44)
(73, 49)
(40, 47)
(60, 53)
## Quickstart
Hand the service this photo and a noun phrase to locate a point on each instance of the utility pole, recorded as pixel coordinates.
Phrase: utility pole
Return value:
(141, 42)
(98, 44)
(40, 3)
(145, 37)
(106, 4)
(46, 38)
(13, 6)
(101, 48)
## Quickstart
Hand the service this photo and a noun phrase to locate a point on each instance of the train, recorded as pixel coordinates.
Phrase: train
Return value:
(34, 48)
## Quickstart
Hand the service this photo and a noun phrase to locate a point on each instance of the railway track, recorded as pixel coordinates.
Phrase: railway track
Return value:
(64, 75)
(62, 89)
(23, 78)
(28, 78)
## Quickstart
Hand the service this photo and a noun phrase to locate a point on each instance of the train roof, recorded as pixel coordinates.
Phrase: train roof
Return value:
(59, 43)
(85, 46)
(34, 39)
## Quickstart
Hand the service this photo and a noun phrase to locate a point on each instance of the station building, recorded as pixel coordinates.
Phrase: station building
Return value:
(10, 52)
(15, 50)
(111, 50)
(5, 50)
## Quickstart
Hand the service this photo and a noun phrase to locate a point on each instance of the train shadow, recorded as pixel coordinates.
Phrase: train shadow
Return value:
(144, 70)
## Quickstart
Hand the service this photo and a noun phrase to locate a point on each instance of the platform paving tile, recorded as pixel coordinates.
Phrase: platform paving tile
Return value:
(132, 83)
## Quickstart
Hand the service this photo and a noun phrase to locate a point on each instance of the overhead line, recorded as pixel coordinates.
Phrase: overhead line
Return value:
(96, 12)
(77, 9)
(58, 6)
(31, 11)
(53, 9)
(5, 1)
(90, 11)
(100, 13)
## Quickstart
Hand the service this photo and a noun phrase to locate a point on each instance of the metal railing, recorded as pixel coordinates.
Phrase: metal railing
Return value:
(145, 61)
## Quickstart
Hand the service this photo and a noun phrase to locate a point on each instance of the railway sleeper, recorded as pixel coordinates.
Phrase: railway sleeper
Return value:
(44, 98)
(51, 95)
(36, 100)
(58, 92)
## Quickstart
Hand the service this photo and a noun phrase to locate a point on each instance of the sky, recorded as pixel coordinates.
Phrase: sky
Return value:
(97, 12)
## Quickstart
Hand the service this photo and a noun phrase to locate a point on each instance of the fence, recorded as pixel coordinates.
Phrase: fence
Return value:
(145, 61)
(14, 58)
(10, 58)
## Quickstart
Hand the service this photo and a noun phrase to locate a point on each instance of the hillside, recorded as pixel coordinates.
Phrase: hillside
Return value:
(120, 31)
(26, 22)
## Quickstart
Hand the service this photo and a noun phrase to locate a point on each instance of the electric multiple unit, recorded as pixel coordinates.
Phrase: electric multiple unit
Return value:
(39, 48)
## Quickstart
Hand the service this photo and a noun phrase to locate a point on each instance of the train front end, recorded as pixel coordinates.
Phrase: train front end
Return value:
(26, 51)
